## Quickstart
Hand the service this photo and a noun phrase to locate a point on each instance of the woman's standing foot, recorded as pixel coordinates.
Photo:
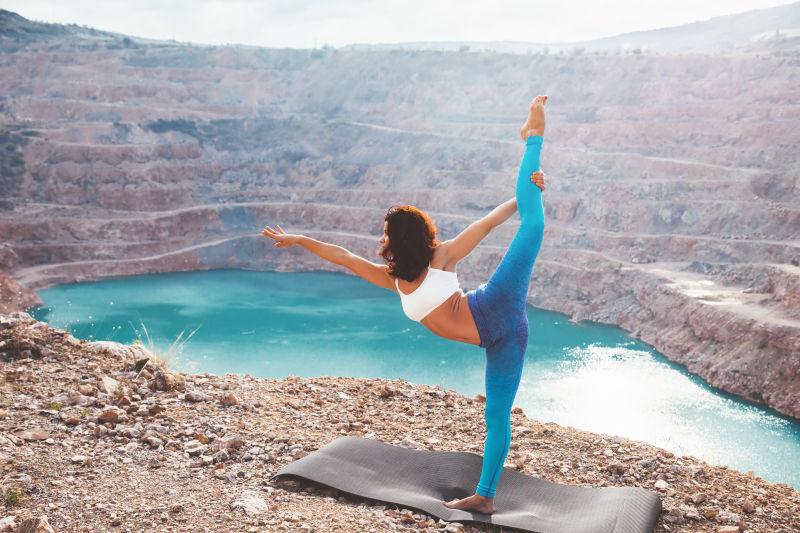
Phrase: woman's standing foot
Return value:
(475, 503)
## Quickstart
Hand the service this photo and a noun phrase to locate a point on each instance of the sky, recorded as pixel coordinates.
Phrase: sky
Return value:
(314, 23)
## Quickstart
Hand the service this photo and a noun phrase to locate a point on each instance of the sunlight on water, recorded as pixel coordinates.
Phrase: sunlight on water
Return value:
(269, 324)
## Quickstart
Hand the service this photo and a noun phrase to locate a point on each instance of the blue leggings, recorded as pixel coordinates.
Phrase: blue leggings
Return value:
(498, 308)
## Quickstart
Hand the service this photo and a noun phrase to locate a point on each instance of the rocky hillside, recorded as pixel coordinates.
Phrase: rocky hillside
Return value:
(758, 30)
(99, 435)
(672, 203)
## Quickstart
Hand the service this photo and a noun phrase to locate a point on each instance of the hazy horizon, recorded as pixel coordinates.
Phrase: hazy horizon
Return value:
(313, 23)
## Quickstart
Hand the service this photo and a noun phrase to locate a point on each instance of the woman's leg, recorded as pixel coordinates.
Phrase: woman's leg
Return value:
(504, 362)
(508, 285)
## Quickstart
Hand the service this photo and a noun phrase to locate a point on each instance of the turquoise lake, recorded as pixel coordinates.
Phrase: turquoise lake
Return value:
(274, 324)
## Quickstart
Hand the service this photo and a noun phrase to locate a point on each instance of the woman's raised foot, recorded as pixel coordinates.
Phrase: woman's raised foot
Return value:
(535, 123)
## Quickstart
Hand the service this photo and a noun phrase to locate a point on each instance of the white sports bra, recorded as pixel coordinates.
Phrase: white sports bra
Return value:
(437, 287)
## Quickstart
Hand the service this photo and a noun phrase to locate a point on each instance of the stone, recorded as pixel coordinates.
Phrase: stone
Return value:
(196, 396)
(76, 398)
(35, 525)
(163, 381)
(229, 400)
(78, 459)
(661, 484)
(408, 442)
(108, 416)
(72, 420)
(8, 524)
(109, 385)
(194, 448)
(33, 434)
(16, 480)
(616, 468)
(250, 502)
(728, 529)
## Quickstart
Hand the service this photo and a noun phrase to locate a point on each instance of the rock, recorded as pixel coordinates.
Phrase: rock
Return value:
(699, 498)
(71, 420)
(78, 459)
(108, 416)
(16, 480)
(748, 507)
(109, 385)
(194, 448)
(221, 456)
(119, 351)
(77, 398)
(35, 525)
(617, 468)
(728, 529)
(674, 516)
(8, 524)
(385, 391)
(408, 442)
(163, 381)
(139, 365)
(229, 400)
(690, 513)
(33, 434)
(661, 484)
(233, 443)
(197, 396)
(250, 502)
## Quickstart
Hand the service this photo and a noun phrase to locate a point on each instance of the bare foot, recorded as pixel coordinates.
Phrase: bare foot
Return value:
(475, 503)
(535, 123)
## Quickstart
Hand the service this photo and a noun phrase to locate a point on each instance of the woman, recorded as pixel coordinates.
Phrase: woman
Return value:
(422, 270)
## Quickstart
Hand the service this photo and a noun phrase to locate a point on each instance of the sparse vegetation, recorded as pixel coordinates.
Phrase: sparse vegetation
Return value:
(165, 359)
(13, 497)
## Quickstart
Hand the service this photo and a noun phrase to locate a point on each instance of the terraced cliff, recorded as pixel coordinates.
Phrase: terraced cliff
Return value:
(672, 204)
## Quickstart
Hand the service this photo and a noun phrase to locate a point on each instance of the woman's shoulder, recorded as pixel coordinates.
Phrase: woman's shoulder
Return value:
(440, 261)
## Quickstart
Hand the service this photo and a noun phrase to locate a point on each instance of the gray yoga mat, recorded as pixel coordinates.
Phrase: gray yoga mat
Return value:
(420, 479)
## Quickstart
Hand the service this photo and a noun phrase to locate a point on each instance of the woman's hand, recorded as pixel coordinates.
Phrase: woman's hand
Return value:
(538, 178)
(282, 239)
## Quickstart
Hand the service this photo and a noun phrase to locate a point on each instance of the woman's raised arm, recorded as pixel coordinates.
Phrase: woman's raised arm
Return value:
(462, 245)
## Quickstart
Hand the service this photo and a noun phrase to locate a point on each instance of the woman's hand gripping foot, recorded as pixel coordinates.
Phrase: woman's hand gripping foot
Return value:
(475, 503)
(534, 125)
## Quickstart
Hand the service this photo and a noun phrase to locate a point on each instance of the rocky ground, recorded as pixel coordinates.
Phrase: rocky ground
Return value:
(102, 436)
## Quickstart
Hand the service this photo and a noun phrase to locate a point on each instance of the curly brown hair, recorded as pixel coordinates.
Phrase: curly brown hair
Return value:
(412, 240)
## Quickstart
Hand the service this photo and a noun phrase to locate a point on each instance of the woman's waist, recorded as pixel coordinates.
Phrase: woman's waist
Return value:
(453, 319)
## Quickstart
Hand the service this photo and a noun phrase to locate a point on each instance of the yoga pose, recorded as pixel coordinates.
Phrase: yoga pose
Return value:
(422, 271)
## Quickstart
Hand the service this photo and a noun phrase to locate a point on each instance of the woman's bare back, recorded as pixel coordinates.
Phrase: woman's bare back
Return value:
(452, 319)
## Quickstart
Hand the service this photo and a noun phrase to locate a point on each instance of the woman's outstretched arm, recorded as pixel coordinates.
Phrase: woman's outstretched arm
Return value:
(365, 269)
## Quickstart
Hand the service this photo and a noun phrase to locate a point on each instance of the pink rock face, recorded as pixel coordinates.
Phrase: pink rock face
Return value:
(671, 206)
(15, 297)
